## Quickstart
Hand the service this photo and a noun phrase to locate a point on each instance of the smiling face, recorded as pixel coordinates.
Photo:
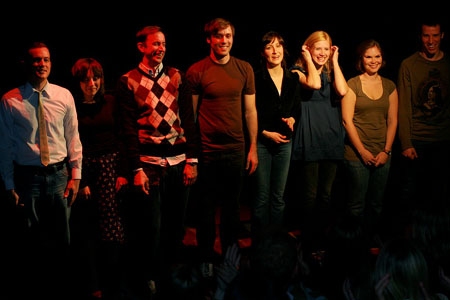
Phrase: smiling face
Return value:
(431, 40)
(372, 60)
(320, 52)
(273, 53)
(40, 64)
(90, 85)
(221, 42)
(153, 48)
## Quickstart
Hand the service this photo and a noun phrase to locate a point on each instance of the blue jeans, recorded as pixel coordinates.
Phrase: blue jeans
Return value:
(270, 183)
(46, 210)
(220, 182)
(366, 190)
(46, 242)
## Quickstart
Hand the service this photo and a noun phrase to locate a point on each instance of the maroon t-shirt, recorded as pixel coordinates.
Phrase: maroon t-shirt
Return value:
(221, 89)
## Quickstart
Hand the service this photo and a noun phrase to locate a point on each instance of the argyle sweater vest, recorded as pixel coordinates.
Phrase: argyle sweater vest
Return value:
(159, 127)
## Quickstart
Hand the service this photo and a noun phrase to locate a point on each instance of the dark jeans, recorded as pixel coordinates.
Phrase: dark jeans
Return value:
(46, 240)
(366, 190)
(424, 181)
(220, 180)
(270, 183)
(155, 222)
(314, 184)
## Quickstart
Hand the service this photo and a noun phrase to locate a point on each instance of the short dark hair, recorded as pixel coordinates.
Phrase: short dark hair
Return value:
(275, 256)
(32, 45)
(142, 34)
(213, 26)
(267, 38)
(431, 20)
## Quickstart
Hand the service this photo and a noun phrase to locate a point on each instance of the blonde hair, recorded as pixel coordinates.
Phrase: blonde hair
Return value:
(316, 36)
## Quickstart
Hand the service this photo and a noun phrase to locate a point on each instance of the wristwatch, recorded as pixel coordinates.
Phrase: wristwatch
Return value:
(388, 152)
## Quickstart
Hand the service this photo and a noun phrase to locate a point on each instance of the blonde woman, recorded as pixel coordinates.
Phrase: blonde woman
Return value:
(318, 142)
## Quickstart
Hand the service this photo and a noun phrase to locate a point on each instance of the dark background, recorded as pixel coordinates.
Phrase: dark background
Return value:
(107, 32)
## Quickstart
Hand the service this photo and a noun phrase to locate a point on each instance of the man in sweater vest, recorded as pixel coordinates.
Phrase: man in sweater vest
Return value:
(161, 152)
